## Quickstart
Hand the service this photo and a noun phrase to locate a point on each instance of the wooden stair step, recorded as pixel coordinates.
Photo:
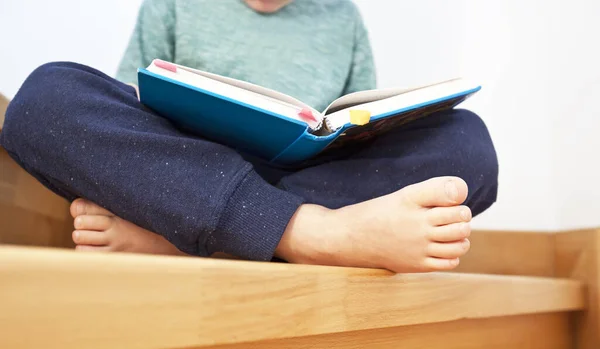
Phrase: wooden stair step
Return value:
(534, 331)
(135, 301)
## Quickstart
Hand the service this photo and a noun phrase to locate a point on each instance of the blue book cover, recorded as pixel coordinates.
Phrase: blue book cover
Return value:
(273, 136)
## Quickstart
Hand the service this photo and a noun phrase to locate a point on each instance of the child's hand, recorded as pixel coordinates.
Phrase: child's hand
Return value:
(137, 90)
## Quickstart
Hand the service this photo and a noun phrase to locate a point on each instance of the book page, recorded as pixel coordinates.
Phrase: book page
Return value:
(409, 98)
(243, 92)
(367, 96)
(359, 134)
(251, 87)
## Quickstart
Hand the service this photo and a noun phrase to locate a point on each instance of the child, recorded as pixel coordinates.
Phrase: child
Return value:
(393, 203)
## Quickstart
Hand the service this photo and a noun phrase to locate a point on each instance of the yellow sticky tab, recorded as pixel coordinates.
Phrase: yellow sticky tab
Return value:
(360, 117)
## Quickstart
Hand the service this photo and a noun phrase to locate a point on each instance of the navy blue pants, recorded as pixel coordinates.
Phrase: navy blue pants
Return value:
(84, 134)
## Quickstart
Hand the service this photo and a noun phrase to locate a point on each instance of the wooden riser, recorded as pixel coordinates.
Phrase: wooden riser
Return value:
(510, 253)
(542, 331)
(64, 299)
(571, 254)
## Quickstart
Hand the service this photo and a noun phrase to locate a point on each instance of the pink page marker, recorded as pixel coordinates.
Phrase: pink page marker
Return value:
(307, 115)
(165, 65)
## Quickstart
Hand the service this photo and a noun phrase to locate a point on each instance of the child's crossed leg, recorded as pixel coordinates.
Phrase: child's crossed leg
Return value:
(367, 208)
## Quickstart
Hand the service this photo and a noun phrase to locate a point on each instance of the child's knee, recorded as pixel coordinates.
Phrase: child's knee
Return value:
(50, 74)
(41, 86)
(477, 157)
(473, 139)
(54, 80)
(470, 123)
(469, 152)
(38, 104)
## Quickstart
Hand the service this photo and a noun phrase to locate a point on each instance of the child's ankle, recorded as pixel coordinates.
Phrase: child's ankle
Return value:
(309, 238)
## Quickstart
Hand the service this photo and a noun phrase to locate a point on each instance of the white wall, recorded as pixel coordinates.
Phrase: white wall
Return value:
(574, 90)
(505, 46)
(538, 63)
(537, 60)
(33, 32)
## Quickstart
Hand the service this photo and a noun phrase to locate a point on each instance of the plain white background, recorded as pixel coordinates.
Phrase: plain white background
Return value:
(537, 61)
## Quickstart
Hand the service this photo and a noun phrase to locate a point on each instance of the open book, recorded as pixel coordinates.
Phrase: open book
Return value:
(280, 128)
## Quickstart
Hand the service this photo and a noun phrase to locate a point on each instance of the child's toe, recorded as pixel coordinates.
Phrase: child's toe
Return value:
(450, 232)
(88, 222)
(81, 207)
(90, 248)
(440, 191)
(449, 250)
(91, 238)
(438, 216)
(440, 264)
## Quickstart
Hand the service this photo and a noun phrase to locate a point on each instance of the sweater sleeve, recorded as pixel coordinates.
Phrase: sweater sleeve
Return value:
(153, 37)
(362, 72)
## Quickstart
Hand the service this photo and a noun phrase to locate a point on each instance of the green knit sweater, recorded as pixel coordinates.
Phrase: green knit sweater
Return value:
(313, 50)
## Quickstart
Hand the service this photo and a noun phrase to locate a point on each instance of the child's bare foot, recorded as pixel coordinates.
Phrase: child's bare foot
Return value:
(420, 228)
(96, 229)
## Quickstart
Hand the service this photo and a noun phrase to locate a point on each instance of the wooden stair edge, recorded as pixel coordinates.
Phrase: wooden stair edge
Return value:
(573, 254)
(578, 258)
(3, 106)
(534, 331)
(135, 301)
